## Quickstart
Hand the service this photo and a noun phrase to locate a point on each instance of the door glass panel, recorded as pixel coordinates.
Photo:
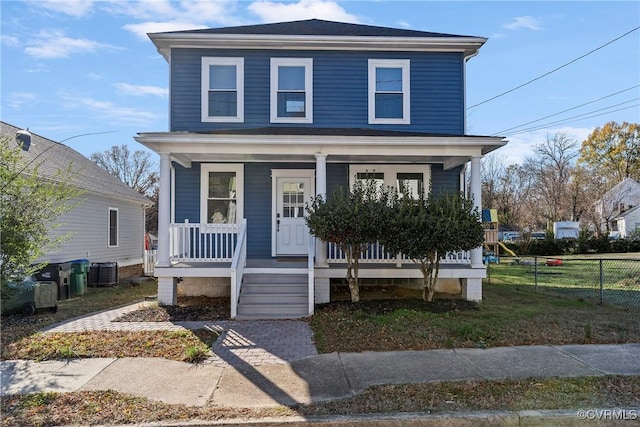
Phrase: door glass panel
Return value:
(292, 199)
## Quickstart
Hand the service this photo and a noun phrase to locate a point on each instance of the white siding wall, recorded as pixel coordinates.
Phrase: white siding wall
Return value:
(87, 225)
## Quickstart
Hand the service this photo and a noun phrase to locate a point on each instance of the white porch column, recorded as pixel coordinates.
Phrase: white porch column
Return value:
(321, 189)
(476, 192)
(164, 210)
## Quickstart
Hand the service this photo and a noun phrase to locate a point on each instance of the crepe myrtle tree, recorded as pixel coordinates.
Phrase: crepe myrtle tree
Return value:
(424, 228)
(351, 219)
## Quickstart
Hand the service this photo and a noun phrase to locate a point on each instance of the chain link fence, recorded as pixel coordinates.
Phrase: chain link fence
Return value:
(607, 281)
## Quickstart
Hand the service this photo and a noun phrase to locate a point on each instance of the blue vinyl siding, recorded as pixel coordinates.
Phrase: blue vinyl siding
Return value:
(339, 90)
(187, 197)
(445, 181)
(257, 195)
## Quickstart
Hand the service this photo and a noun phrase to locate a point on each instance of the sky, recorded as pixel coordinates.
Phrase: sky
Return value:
(85, 73)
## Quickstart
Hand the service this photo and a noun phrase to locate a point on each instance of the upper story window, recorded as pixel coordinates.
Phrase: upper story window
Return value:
(222, 89)
(291, 90)
(389, 99)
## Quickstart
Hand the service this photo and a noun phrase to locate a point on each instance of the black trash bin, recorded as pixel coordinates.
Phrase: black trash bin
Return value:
(59, 272)
(103, 274)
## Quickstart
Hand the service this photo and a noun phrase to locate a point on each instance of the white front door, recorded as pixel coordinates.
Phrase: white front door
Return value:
(291, 231)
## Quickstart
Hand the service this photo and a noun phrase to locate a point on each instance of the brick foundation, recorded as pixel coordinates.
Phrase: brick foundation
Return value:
(135, 270)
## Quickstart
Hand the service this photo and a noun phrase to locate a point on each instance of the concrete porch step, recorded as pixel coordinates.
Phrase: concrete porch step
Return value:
(273, 296)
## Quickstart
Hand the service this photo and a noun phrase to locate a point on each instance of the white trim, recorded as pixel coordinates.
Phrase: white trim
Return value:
(116, 210)
(390, 172)
(166, 41)
(204, 186)
(286, 173)
(307, 63)
(405, 65)
(207, 61)
(172, 215)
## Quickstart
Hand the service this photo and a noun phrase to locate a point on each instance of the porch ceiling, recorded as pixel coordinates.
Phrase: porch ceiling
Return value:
(451, 151)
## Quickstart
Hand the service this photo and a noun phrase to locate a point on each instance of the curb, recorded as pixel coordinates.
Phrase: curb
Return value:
(563, 418)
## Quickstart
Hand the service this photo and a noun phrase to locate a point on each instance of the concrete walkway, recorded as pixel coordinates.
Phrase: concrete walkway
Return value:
(271, 363)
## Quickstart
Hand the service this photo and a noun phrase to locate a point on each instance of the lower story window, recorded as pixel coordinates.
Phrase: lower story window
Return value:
(221, 192)
(113, 227)
(412, 178)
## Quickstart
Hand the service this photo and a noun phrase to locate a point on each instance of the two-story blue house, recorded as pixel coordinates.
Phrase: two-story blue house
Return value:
(264, 117)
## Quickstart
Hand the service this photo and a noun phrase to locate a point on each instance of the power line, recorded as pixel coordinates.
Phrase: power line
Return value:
(564, 111)
(555, 69)
(577, 118)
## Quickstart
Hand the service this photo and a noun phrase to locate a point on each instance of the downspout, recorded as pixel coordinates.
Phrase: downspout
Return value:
(464, 188)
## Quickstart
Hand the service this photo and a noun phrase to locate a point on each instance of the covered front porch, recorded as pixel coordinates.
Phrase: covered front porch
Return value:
(219, 251)
(245, 252)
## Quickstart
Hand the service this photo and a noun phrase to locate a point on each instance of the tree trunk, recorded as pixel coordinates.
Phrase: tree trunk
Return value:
(353, 256)
(430, 268)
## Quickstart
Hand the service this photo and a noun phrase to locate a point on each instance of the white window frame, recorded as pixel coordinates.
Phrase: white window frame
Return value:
(116, 210)
(391, 173)
(239, 64)
(405, 65)
(307, 63)
(205, 168)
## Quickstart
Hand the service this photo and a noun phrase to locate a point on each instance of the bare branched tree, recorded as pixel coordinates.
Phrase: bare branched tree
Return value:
(138, 171)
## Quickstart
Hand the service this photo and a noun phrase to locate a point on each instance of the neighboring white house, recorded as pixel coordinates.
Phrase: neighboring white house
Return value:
(107, 223)
(626, 223)
(621, 198)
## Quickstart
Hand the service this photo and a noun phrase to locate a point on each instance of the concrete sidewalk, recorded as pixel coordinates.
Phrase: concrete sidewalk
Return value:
(314, 378)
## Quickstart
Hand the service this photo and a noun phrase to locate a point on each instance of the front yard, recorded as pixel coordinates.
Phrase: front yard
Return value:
(385, 319)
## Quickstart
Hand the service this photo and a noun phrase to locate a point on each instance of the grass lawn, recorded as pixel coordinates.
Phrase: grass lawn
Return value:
(508, 315)
(109, 407)
(21, 339)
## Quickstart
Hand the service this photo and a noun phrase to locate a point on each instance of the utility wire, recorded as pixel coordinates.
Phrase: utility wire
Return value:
(564, 111)
(575, 119)
(554, 70)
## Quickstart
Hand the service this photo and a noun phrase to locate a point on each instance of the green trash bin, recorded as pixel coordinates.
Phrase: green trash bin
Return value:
(29, 295)
(79, 273)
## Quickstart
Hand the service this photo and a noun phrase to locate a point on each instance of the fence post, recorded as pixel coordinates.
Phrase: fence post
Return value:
(535, 274)
(601, 283)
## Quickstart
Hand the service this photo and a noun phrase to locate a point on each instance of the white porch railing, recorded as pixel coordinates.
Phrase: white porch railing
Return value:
(238, 263)
(311, 273)
(149, 262)
(202, 242)
(375, 253)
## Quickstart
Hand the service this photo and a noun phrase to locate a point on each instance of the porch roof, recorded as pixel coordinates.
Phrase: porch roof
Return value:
(302, 144)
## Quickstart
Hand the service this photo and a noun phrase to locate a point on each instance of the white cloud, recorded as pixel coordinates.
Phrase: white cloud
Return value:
(75, 8)
(9, 40)
(528, 22)
(138, 90)
(106, 110)
(270, 11)
(143, 28)
(50, 44)
(160, 16)
(404, 24)
(16, 100)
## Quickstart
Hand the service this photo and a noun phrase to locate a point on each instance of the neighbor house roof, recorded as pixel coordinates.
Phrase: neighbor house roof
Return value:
(316, 34)
(51, 156)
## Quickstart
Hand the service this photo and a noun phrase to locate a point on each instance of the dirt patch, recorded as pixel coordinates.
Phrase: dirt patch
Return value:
(186, 309)
(377, 300)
